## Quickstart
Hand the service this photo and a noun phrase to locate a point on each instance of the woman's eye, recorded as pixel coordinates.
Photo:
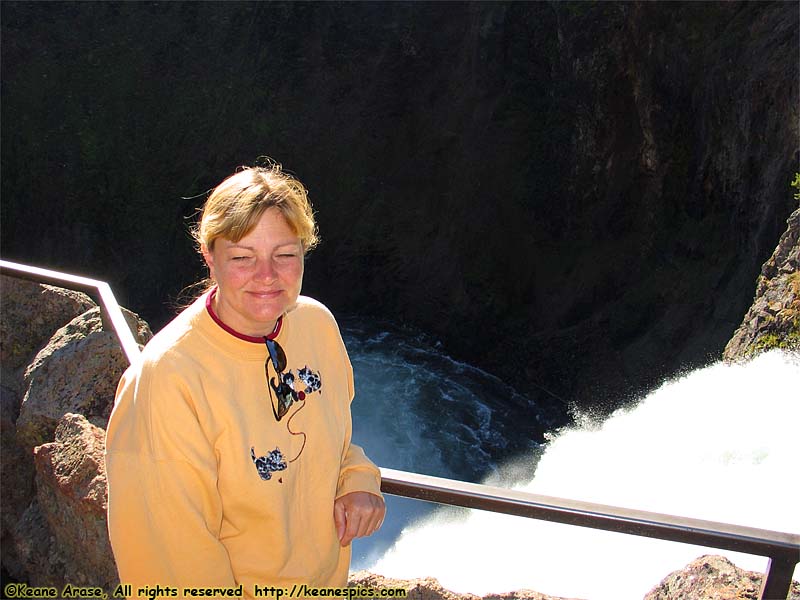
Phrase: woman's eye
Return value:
(240, 258)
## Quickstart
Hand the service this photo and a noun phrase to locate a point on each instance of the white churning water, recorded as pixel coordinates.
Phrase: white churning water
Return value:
(721, 443)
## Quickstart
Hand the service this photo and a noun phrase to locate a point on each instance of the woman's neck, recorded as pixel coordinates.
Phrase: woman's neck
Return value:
(256, 339)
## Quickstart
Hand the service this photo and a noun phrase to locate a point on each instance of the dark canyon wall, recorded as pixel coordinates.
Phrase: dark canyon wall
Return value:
(574, 196)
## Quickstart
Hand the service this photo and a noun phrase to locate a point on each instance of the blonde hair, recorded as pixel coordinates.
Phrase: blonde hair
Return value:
(235, 206)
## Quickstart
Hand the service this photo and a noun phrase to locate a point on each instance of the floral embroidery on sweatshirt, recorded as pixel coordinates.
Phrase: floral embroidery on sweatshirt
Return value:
(275, 460)
(267, 465)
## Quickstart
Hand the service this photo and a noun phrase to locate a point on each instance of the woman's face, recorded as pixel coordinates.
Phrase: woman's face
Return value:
(259, 277)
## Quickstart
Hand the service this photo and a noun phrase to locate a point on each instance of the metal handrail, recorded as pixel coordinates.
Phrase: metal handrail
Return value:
(100, 289)
(782, 549)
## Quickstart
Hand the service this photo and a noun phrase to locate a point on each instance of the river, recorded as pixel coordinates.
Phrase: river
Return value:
(720, 443)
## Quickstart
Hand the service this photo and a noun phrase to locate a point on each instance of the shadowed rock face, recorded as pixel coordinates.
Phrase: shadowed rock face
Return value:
(571, 195)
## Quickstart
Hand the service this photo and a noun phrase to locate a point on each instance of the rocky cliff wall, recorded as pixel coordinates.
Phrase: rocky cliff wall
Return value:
(573, 195)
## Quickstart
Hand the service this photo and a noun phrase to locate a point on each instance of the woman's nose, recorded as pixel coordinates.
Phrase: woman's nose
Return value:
(265, 270)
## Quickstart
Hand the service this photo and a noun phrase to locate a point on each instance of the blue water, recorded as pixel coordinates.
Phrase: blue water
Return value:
(418, 410)
(704, 445)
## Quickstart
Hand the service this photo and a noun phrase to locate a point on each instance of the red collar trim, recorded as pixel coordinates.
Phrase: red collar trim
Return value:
(233, 332)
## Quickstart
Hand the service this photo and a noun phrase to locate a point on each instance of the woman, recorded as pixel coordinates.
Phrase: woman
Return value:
(228, 452)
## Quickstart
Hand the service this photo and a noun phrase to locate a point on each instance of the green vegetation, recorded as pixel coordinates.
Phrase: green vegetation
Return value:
(788, 319)
(794, 282)
(773, 340)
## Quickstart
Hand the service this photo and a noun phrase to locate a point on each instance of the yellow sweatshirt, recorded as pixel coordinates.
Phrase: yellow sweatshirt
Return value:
(205, 487)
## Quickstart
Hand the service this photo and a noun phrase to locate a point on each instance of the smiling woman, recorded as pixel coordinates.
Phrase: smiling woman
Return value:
(255, 229)
(208, 484)
(259, 277)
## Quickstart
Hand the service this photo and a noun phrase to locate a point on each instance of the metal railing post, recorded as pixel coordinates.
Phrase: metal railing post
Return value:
(777, 582)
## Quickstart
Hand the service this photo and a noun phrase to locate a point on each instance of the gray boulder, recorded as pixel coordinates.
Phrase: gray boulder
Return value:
(30, 313)
(76, 372)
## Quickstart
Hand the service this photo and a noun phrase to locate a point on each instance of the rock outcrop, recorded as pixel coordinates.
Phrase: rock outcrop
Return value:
(72, 497)
(55, 386)
(30, 313)
(706, 578)
(773, 320)
(56, 348)
(712, 578)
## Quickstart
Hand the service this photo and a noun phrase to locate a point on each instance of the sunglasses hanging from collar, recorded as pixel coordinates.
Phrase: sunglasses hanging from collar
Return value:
(281, 390)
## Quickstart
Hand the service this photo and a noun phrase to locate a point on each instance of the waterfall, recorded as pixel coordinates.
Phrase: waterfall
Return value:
(720, 443)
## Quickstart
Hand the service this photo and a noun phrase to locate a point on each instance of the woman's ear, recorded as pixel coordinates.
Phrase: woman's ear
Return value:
(209, 258)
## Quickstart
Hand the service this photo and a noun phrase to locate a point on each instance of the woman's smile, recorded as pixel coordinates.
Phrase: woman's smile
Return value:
(259, 277)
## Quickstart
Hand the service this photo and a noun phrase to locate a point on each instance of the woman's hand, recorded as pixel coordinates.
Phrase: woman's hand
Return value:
(357, 514)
